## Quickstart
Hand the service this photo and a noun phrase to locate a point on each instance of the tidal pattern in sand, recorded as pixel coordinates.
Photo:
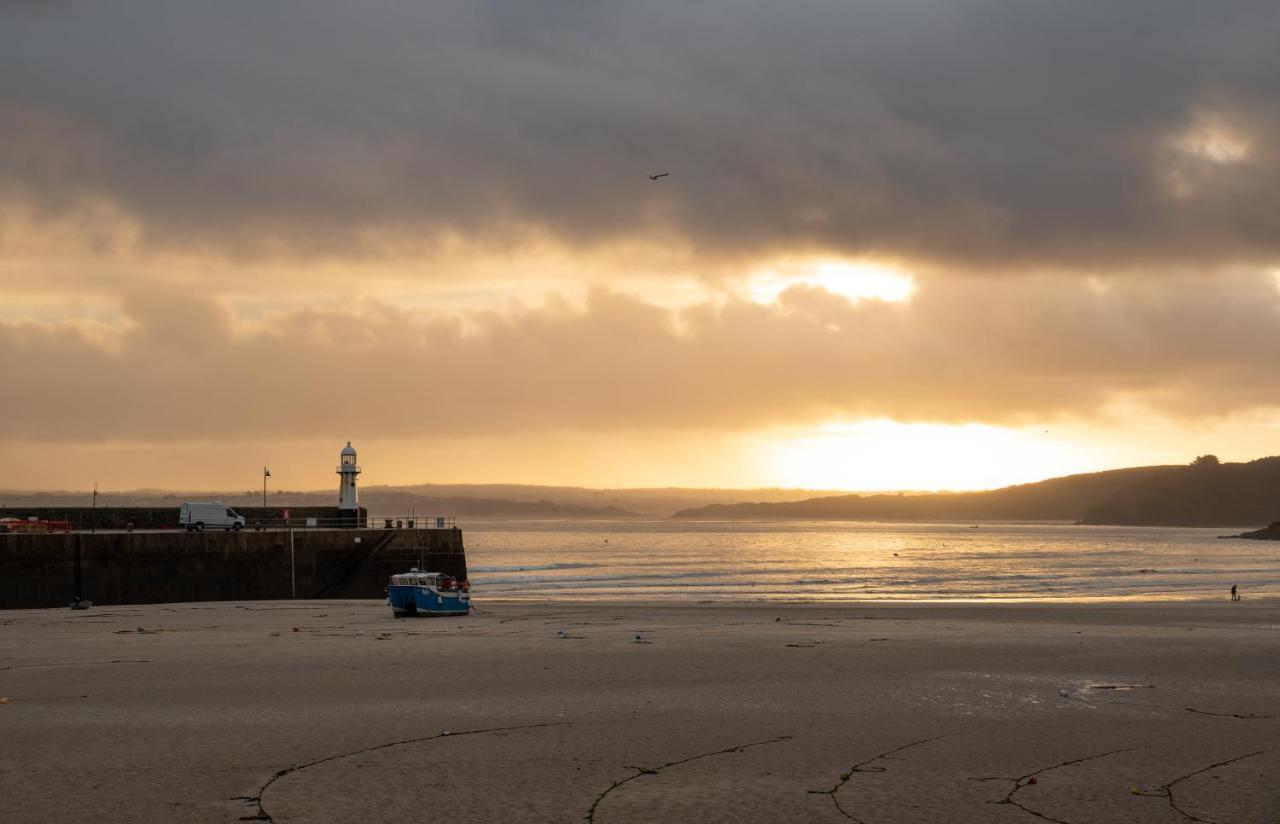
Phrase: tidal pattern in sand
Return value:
(811, 561)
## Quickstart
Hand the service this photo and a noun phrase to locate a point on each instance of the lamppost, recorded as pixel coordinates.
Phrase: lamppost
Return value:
(266, 473)
(77, 597)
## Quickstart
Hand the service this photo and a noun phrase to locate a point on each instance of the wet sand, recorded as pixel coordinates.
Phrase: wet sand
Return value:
(540, 713)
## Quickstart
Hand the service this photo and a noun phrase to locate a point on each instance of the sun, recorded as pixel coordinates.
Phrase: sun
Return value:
(887, 455)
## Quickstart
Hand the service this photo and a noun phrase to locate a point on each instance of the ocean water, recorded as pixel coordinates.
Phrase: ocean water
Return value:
(839, 561)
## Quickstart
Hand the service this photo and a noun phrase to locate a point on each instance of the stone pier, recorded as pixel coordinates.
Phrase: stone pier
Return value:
(173, 565)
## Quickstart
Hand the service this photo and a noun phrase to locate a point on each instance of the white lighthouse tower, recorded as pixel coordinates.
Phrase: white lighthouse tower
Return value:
(348, 502)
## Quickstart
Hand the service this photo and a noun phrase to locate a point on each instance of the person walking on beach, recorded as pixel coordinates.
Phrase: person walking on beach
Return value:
(1234, 595)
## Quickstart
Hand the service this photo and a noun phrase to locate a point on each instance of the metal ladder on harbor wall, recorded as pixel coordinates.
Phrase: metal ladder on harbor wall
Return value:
(342, 579)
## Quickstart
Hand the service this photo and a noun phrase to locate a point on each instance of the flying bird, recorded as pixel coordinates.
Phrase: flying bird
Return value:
(655, 177)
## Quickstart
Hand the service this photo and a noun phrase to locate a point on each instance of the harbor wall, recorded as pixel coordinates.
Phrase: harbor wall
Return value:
(175, 566)
(166, 517)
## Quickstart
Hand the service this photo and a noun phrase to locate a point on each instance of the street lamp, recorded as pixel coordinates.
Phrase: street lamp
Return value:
(77, 597)
(266, 473)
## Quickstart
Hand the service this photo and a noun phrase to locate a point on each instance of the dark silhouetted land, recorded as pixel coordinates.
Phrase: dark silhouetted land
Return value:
(1205, 493)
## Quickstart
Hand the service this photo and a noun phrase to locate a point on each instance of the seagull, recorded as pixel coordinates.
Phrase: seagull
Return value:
(655, 177)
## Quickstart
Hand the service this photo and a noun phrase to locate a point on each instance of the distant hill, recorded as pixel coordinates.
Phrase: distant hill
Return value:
(382, 502)
(652, 502)
(464, 500)
(1204, 494)
(1208, 494)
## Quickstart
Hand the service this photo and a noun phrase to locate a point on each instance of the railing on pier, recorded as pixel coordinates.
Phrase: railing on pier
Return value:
(362, 520)
(413, 521)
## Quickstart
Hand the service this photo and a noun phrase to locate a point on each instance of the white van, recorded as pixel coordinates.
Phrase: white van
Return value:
(197, 516)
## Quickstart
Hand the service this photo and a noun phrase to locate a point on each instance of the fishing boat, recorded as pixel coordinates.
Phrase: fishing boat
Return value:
(428, 593)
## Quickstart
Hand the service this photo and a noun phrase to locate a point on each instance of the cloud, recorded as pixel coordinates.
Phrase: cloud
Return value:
(289, 220)
(982, 349)
(975, 134)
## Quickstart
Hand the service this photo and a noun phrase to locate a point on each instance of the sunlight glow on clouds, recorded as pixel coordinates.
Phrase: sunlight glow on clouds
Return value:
(1215, 142)
(450, 206)
(854, 279)
(1203, 154)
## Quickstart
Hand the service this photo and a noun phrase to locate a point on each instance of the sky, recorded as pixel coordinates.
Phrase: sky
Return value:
(920, 244)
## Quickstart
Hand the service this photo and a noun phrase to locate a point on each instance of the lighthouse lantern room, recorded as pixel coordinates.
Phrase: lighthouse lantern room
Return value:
(348, 502)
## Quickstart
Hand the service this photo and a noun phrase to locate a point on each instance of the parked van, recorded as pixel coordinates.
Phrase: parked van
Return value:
(197, 516)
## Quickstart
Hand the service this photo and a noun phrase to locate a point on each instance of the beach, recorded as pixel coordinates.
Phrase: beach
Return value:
(628, 712)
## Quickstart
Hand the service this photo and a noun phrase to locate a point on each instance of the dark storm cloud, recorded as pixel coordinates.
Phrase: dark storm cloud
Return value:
(969, 132)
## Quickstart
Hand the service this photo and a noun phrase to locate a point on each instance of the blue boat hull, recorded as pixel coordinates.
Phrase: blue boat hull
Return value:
(413, 600)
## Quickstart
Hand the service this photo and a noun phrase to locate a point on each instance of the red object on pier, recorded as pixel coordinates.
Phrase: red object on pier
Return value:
(34, 527)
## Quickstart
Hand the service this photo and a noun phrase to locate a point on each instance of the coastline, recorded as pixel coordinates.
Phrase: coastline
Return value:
(718, 712)
(903, 602)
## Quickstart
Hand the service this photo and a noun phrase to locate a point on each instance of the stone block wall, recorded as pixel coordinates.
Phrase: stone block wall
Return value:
(163, 567)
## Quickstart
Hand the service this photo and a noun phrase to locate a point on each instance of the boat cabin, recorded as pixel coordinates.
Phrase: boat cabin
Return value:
(438, 581)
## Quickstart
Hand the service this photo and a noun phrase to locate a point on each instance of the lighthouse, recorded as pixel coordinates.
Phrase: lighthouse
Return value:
(348, 502)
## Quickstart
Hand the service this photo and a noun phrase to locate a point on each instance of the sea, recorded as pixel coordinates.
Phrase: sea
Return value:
(683, 561)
